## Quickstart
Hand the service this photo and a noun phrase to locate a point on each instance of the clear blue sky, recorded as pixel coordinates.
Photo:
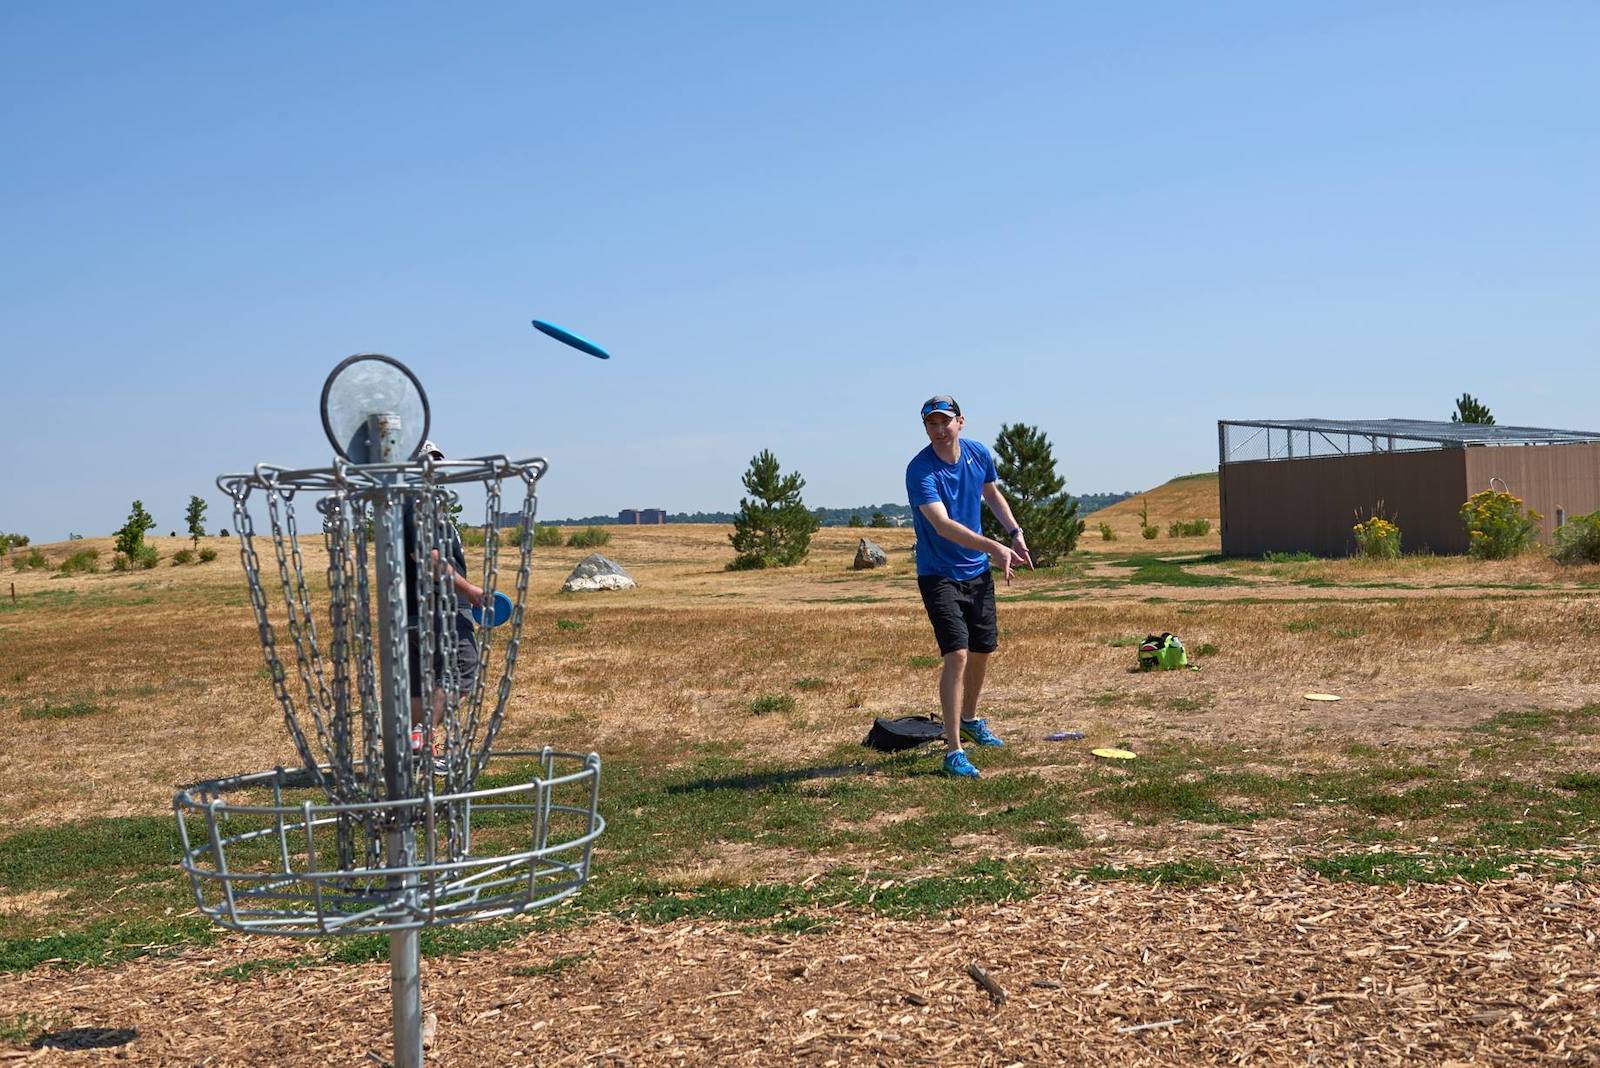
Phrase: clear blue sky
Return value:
(789, 223)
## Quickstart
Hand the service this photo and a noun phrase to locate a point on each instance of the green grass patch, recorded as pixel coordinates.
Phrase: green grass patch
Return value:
(1170, 873)
(1581, 780)
(1149, 568)
(569, 624)
(20, 1029)
(1386, 867)
(62, 710)
(104, 942)
(924, 661)
(809, 683)
(769, 703)
(553, 966)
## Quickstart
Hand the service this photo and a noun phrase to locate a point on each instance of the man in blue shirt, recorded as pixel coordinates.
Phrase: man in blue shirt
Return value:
(948, 483)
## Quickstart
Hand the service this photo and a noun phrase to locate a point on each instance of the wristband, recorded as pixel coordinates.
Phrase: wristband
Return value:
(1014, 533)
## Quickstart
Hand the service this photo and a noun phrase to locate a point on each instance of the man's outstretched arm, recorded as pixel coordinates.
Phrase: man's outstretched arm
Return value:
(936, 515)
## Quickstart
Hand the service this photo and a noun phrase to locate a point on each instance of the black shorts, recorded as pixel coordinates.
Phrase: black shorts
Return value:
(962, 612)
(466, 664)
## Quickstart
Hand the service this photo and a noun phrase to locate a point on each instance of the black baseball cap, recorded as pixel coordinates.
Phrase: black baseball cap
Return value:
(941, 402)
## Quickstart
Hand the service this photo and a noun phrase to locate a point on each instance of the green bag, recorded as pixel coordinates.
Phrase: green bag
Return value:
(1163, 651)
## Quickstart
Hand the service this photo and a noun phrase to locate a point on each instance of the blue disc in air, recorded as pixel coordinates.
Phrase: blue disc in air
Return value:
(567, 337)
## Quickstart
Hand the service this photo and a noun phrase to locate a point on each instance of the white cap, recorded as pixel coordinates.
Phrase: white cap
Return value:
(430, 449)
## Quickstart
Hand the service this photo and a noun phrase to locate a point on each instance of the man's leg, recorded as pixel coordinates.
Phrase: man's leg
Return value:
(985, 638)
(951, 688)
(972, 684)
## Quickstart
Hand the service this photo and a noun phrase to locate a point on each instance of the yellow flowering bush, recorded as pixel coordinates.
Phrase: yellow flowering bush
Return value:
(1377, 539)
(1497, 525)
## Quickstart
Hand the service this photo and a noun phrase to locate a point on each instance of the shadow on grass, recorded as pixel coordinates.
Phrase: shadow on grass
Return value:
(766, 780)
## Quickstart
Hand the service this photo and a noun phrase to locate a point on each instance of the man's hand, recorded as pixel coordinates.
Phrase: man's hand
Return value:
(1020, 546)
(1009, 559)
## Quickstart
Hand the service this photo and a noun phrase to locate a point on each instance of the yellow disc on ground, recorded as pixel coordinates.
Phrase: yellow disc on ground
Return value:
(1113, 754)
(1322, 697)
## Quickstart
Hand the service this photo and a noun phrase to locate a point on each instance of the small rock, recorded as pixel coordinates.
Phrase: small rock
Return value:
(868, 555)
(596, 572)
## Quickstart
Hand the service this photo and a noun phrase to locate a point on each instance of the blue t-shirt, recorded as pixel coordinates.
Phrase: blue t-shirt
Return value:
(959, 487)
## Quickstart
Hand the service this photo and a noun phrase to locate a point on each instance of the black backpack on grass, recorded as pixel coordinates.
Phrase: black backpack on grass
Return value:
(907, 732)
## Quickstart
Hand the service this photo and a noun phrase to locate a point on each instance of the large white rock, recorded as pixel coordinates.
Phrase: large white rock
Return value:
(596, 572)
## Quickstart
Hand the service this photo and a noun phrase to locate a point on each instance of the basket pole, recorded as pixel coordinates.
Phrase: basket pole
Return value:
(405, 985)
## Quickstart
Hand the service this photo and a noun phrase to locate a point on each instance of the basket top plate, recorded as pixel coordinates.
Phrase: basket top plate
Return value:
(366, 384)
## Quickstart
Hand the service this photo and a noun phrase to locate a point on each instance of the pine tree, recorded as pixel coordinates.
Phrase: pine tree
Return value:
(1468, 410)
(773, 527)
(1048, 516)
(878, 520)
(196, 518)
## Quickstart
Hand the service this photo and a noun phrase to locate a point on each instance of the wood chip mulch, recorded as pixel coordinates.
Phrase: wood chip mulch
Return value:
(1284, 968)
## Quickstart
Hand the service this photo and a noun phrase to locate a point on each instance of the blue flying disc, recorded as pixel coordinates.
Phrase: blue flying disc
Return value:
(502, 610)
(567, 337)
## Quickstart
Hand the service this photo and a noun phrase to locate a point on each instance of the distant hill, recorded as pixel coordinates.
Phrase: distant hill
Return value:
(1183, 498)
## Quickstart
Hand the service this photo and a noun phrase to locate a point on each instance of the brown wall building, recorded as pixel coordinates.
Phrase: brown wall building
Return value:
(1300, 485)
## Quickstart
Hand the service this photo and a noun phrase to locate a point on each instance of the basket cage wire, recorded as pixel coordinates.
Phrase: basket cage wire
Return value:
(354, 839)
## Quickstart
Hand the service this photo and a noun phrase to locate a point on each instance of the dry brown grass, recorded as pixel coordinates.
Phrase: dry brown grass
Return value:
(170, 659)
(1263, 968)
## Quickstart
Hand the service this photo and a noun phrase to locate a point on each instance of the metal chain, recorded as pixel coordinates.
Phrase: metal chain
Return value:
(244, 527)
(343, 696)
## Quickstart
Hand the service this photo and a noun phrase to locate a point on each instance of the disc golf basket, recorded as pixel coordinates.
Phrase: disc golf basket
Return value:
(373, 832)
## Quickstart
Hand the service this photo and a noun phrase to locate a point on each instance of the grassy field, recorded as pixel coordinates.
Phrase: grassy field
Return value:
(1407, 873)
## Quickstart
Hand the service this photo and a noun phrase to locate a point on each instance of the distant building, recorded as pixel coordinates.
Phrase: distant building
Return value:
(637, 516)
(1298, 485)
(628, 516)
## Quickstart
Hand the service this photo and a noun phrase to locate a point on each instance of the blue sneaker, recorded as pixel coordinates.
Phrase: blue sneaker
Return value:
(957, 764)
(978, 733)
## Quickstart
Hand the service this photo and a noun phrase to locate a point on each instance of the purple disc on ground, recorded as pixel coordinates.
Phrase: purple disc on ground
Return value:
(1064, 736)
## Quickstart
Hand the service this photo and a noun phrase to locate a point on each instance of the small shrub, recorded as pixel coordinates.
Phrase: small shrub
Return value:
(207, 555)
(544, 534)
(1578, 541)
(1497, 526)
(182, 556)
(1150, 532)
(1190, 528)
(569, 624)
(1377, 539)
(809, 683)
(589, 538)
(147, 557)
(1206, 649)
(12, 541)
(472, 537)
(772, 702)
(1106, 533)
(80, 561)
(32, 560)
